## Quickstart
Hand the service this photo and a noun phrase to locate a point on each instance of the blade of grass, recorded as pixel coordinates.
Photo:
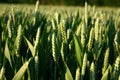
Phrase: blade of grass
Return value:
(7, 53)
(21, 71)
(30, 46)
(78, 51)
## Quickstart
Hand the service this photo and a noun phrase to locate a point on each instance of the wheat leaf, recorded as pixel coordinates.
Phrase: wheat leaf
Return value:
(30, 46)
(78, 51)
(7, 53)
(21, 71)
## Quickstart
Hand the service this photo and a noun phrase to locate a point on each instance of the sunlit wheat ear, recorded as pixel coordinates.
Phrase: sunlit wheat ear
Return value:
(96, 29)
(2, 73)
(83, 34)
(116, 71)
(56, 17)
(78, 31)
(37, 40)
(12, 14)
(106, 60)
(36, 6)
(92, 71)
(53, 24)
(91, 39)
(77, 76)
(63, 51)
(84, 65)
(9, 26)
(18, 39)
(86, 14)
(68, 33)
(63, 31)
(53, 47)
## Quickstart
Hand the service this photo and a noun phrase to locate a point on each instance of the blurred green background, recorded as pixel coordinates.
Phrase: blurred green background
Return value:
(67, 2)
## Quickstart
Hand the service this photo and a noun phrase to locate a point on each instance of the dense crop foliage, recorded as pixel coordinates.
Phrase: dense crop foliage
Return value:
(60, 45)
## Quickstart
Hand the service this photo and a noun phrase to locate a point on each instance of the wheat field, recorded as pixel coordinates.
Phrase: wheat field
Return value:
(59, 43)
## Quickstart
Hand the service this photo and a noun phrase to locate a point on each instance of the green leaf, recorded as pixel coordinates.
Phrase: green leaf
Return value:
(106, 75)
(7, 53)
(68, 75)
(21, 71)
(78, 51)
(30, 46)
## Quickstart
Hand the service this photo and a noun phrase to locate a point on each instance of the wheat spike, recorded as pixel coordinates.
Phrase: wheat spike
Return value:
(84, 65)
(78, 30)
(116, 72)
(56, 17)
(83, 34)
(18, 39)
(91, 38)
(106, 60)
(86, 14)
(63, 31)
(96, 29)
(92, 71)
(36, 6)
(54, 47)
(77, 76)
(9, 26)
(2, 73)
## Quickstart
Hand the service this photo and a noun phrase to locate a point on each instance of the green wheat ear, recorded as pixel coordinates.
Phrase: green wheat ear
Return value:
(2, 73)
(9, 26)
(78, 31)
(83, 35)
(91, 38)
(96, 29)
(18, 39)
(92, 71)
(86, 14)
(36, 6)
(116, 71)
(56, 16)
(106, 60)
(63, 32)
(54, 47)
(63, 51)
(84, 65)
(77, 76)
